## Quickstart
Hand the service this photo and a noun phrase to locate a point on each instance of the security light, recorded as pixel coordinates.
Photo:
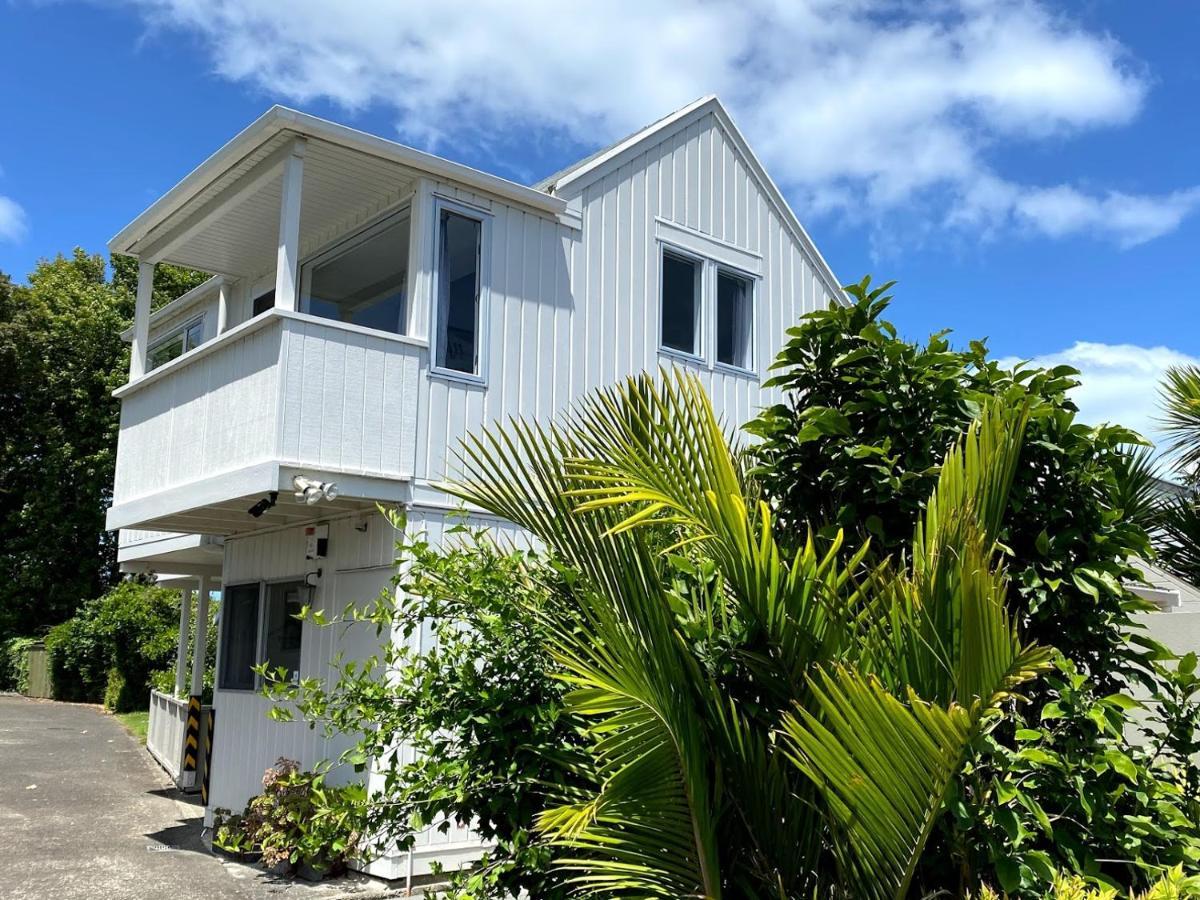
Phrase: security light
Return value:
(312, 491)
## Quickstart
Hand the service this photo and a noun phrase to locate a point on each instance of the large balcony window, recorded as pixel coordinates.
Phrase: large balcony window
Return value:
(363, 280)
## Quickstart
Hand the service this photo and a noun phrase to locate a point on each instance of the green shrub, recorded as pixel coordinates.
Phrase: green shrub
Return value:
(14, 664)
(108, 650)
(297, 820)
(483, 711)
(855, 444)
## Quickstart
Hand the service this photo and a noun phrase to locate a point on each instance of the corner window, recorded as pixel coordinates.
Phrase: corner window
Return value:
(175, 344)
(460, 243)
(680, 303)
(364, 281)
(734, 319)
(239, 636)
(249, 639)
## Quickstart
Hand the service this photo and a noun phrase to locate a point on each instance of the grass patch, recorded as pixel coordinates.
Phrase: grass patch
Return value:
(136, 723)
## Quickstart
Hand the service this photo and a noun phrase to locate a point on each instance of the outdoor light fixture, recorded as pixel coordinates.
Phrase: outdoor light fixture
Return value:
(264, 504)
(312, 491)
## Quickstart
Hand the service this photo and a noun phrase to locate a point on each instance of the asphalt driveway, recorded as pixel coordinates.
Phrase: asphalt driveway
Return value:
(85, 813)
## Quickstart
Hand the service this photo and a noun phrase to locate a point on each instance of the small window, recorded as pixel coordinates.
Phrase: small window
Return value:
(364, 283)
(458, 292)
(262, 303)
(239, 636)
(175, 344)
(282, 631)
(680, 303)
(734, 319)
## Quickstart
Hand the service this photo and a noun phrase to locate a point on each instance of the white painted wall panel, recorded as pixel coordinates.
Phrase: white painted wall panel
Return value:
(570, 311)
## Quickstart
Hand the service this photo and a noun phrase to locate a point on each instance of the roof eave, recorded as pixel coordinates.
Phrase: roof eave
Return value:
(281, 118)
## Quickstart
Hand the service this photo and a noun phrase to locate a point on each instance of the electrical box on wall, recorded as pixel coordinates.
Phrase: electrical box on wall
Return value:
(316, 541)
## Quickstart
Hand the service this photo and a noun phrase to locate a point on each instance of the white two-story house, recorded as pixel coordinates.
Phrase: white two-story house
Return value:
(370, 305)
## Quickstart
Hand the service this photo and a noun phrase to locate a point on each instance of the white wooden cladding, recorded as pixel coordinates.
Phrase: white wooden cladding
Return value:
(247, 742)
(360, 564)
(572, 310)
(295, 389)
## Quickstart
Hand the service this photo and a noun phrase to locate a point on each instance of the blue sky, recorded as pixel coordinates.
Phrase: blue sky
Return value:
(1027, 172)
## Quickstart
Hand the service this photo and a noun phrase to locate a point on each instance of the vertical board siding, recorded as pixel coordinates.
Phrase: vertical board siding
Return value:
(212, 415)
(349, 400)
(573, 310)
(247, 742)
(294, 390)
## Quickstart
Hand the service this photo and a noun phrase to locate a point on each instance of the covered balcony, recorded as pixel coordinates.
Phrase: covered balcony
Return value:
(213, 441)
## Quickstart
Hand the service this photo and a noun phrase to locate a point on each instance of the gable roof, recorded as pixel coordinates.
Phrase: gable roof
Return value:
(573, 179)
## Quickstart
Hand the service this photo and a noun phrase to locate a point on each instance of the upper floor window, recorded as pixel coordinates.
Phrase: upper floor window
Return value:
(174, 344)
(362, 281)
(680, 325)
(734, 319)
(460, 263)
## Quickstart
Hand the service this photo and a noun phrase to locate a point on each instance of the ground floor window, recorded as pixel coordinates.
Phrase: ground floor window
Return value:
(259, 625)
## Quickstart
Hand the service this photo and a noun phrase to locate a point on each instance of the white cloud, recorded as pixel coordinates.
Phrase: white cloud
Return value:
(1119, 383)
(13, 221)
(859, 106)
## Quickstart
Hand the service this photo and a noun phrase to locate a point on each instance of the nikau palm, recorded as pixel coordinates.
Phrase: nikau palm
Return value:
(761, 724)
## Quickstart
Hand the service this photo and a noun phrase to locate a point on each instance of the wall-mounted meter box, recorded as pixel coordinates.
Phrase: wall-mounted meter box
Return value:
(316, 541)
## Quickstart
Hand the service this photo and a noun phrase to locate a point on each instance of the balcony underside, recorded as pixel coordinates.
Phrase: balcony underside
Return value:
(160, 553)
(220, 504)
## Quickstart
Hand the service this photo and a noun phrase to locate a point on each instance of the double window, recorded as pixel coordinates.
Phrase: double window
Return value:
(175, 343)
(364, 280)
(259, 625)
(683, 309)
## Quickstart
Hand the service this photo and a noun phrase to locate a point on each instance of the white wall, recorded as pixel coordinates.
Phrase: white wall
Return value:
(574, 309)
(247, 742)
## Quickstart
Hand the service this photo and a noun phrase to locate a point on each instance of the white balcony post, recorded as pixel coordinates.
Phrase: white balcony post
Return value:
(286, 265)
(185, 621)
(200, 644)
(141, 320)
(223, 307)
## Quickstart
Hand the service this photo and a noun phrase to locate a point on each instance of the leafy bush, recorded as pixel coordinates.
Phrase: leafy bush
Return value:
(108, 650)
(14, 664)
(1174, 885)
(481, 707)
(855, 444)
(866, 420)
(296, 821)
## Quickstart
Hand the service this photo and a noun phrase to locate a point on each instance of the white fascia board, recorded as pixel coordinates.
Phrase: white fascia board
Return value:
(281, 118)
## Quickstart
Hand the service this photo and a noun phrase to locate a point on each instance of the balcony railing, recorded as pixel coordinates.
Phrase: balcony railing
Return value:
(283, 390)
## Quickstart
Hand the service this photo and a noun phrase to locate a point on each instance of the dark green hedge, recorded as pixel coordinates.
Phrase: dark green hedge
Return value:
(108, 650)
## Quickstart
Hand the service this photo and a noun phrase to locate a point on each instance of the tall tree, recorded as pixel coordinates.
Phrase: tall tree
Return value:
(61, 356)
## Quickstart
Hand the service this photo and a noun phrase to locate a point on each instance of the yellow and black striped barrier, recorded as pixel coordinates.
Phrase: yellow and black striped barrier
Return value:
(208, 745)
(191, 744)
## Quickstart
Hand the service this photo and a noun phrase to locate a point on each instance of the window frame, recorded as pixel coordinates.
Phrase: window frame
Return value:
(223, 642)
(345, 244)
(484, 218)
(665, 249)
(179, 330)
(260, 630)
(751, 282)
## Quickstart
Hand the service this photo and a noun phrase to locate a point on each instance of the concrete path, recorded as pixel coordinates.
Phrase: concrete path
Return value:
(86, 813)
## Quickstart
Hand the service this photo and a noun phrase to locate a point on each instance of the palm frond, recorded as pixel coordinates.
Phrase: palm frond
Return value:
(883, 740)
(1177, 538)
(1180, 395)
